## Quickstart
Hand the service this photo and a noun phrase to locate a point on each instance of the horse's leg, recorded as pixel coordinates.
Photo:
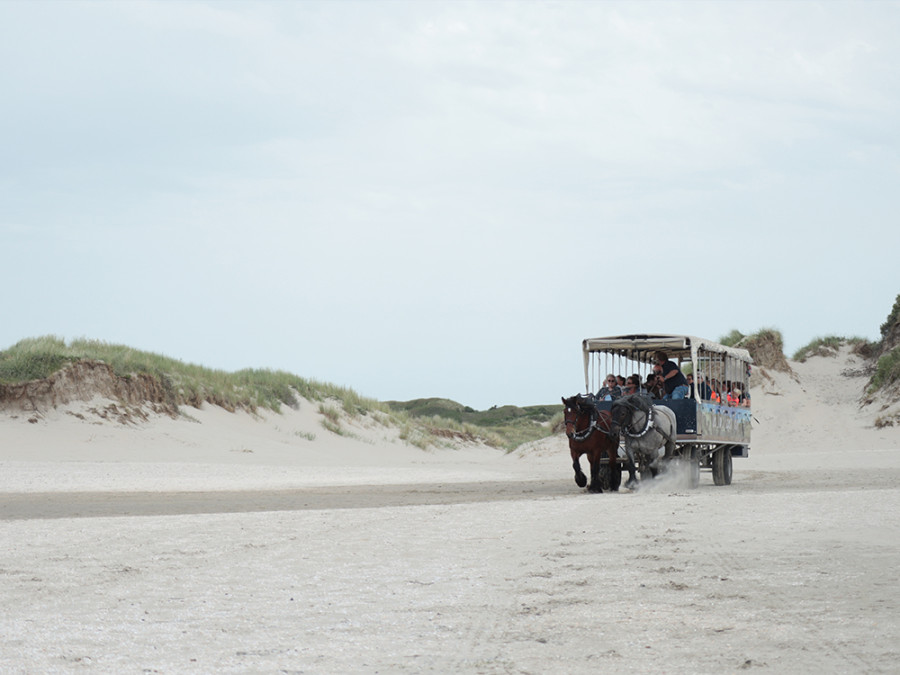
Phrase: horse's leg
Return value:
(632, 471)
(670, 439)
(596, 484)
(580, 478)
(670, 448)
(614, 468)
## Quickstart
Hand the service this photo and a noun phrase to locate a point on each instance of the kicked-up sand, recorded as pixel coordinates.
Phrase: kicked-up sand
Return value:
(228, 543)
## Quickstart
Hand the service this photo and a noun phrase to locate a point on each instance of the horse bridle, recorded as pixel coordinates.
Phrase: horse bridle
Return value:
(583, 435)
(626, 428)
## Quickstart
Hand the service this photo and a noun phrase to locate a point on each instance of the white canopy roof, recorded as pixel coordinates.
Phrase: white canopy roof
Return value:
(640, 347)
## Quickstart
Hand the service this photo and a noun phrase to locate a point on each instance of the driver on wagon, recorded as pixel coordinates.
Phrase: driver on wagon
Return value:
(674, 380)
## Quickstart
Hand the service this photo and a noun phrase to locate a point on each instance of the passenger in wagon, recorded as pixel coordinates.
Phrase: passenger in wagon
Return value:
(654, 385)
(738, 396)
(674, 379)
(633, 385)
(733, 397)
(611, 389)
(700, 391)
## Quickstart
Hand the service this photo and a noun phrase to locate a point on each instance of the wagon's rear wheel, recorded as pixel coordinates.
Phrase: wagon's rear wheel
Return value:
(694, 459)
(721, 466)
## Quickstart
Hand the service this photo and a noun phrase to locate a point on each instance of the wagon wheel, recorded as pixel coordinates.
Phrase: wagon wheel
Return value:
(604, 477)
(615, 476)
(695, 467)
(721, 466)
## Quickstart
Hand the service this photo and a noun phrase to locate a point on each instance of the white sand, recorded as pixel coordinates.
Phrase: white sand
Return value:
(795, 567)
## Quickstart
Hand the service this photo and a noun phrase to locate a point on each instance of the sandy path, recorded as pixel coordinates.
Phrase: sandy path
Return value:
(31, 505)
(705, 581)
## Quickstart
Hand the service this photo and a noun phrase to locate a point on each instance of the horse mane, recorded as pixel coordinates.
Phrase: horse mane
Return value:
(634, 403)
(586, 400)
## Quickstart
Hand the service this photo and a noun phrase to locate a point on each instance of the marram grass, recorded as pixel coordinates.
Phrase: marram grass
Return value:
(827, 345)
(252, 389)
(190, 384)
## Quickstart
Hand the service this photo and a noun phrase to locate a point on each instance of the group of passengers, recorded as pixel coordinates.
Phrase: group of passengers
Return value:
(729, 393)
(667, 382)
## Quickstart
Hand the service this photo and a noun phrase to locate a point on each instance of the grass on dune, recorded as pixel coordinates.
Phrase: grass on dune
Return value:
(190, 384)
(252, 389)
(829, 345)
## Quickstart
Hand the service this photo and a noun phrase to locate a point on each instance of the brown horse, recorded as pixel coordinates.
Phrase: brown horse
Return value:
(588, 430)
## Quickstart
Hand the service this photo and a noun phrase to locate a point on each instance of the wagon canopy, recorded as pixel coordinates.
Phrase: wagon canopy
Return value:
(642, 347)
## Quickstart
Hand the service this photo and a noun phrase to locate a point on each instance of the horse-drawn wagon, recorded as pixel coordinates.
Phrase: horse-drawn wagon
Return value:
(703, 430)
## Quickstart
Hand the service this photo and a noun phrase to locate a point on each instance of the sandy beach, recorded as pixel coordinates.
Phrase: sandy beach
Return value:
(223, 542)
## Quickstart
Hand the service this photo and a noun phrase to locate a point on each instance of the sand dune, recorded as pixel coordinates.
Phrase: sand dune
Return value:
(229, 543)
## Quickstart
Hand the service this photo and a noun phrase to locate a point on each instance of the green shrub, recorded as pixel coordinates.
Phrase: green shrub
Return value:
(732, 338)
(333, 427)
(892, 318)
(829, 346)
(887, 370)
(330, 413)
(32, 359)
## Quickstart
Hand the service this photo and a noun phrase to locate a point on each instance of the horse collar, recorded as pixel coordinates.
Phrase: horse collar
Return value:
(581, 436)
(646, 427)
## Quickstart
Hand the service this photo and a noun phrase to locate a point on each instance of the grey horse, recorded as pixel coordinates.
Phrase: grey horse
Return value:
(646, 428)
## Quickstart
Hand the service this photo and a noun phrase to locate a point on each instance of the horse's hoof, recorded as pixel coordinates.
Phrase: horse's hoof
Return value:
(596, 489)
(631, 484)
(580, 480)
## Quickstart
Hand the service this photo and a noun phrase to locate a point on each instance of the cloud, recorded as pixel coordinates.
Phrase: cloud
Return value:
(404, 197)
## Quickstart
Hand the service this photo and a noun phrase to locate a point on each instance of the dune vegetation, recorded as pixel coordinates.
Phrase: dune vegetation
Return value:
(829, 345)
(422, 422)
(887, 369)
(188, 384)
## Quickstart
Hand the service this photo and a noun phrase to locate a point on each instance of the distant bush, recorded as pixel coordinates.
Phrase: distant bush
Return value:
(32, 360)
(732, 338)
(887, 370)
(829, 346)
(892, 320)
(766, 346)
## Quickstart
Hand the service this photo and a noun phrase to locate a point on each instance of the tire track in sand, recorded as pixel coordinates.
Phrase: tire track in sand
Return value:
(48, 505)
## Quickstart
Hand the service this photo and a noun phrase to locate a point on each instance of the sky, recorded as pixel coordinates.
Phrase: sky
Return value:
(418, 199)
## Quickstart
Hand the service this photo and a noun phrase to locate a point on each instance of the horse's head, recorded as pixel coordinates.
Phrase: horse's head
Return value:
(629, 411)
(570, 414)
(620, 415)
(578, 413)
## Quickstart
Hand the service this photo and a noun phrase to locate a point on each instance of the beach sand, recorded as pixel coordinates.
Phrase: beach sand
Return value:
(223, 542)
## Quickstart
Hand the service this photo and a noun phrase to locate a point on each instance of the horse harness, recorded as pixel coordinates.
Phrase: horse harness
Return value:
(649, 424)
(583, 435)
(647, 427)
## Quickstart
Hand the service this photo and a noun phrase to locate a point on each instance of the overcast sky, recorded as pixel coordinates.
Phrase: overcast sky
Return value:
(421, 199)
